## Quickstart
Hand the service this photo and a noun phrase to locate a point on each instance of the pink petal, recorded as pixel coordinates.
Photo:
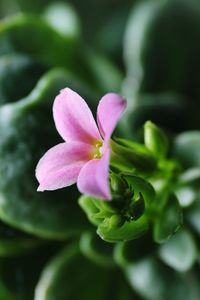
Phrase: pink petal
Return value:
(93, 179)
(60, 165)
(109, 112)
(73, 118)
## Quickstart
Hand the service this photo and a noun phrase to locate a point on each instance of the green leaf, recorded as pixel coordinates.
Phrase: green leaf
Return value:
(107, 77)
(159, 50)
(15, 31)
(126, 253)
(71, 276)
(186, 195)
(135, 34)
(190, 177)
(27, 131)
(34, 7)
(17, 246)
(154, 281)
(193, 215)
(18, 76)
(186, 148)
(15, 243)
(18, 276)
(168, 221)
(187, 187)
(180, 252)
(63, 18)
(96, 250)
(64, 50)
(147, 277)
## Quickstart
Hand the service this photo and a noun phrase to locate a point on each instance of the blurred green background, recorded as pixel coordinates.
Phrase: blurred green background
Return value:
(146, 50)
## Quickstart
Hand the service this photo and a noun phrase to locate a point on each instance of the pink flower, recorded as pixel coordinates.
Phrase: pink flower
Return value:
(84, 156)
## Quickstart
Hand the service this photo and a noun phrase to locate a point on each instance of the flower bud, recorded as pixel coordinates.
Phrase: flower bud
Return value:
(155, 139)
(137, 208)
(116, 221)
(118, 184)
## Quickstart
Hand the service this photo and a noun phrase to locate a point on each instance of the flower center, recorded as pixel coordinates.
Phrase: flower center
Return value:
(97, 150)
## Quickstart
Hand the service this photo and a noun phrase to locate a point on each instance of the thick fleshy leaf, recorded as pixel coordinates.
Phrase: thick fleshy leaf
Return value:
(109, 112)
(106, 75)
(73, 118)
(63, 18)
(186, 195)
(45, 45)
(93, 177)
(70, 275)
(16, 243)
(169, 220)
(127, 253)
(18, 76)
(149, 59)
(20, 283)
(26, 132)
(152, 280)
(186, 148)
(96, 250)
(60, 165)
(193, 215)
(180, 252)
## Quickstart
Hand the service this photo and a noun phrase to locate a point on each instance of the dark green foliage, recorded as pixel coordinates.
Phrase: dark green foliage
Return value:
(144, 244)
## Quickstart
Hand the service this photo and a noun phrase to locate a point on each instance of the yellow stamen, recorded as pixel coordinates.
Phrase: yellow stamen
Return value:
(97, 150)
